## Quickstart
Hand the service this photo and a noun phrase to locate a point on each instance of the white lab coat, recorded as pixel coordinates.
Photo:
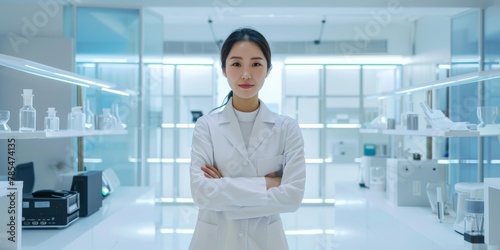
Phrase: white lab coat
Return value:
(236, 212)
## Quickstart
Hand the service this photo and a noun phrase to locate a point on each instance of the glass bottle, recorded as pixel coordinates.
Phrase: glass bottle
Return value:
(51, 121)
(90, 123)
(27, 114)
(76, 119)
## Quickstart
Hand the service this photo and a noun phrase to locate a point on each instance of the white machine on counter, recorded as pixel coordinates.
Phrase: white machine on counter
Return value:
(407, 180)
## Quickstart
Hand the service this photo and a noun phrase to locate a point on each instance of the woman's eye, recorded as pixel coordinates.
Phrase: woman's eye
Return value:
(235, 64)
(257, 64)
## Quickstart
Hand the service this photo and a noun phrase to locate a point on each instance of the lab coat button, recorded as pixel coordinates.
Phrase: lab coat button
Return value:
(245, 163)
(241, 234)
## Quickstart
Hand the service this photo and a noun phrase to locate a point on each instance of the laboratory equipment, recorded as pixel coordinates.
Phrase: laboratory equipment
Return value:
(407, 180)
(116, 114)
(27, 114)
(487, 115)
(89, 117)
(438, 120)
(4, 118)
(465, 190)
(404, 115)
(433, 196)
(106, 121)
(76, 119)
(51, 121)
(474, 224)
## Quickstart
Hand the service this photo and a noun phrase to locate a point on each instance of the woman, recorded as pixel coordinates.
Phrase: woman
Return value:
(247, 163)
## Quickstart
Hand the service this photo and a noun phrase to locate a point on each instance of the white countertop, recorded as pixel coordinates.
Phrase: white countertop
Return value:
(59, 238)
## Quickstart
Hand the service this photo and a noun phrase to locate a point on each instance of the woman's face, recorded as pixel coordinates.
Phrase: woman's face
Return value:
(246, 69)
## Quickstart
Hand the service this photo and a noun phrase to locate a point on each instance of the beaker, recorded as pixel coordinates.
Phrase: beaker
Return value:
(487, 115)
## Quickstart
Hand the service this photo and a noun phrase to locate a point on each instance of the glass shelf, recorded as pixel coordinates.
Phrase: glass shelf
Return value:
(45, 71)
(447, 82)
(58, 134)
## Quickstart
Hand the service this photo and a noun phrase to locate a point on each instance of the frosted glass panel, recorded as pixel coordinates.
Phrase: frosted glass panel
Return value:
(378, 79)
(343, 80)
(107, 32)
(465, 37)
(312, 189)
(308, 110)
(185, 139)
(184, 181)
(302, 81)
(311, 143)
(195, 80)
(342, 110)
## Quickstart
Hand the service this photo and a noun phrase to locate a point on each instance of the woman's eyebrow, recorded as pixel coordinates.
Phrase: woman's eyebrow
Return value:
(241, 58)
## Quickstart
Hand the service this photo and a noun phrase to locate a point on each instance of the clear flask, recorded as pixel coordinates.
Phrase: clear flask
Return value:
(76, 119)
(27, 114)
(89, 117)
(116, 114)
(51, 121)
(107, 120)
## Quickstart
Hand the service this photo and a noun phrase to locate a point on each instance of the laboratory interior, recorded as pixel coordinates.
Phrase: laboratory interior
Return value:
(396, 100)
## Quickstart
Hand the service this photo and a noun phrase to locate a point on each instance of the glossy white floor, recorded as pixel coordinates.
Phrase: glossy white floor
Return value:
(360, 219)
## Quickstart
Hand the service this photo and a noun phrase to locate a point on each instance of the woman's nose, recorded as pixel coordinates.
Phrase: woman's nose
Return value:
(246, 75)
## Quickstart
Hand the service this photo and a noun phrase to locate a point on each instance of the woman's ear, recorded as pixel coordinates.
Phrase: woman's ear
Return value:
(224, 72)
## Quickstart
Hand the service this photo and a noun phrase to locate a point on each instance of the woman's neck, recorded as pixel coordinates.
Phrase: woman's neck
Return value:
(246, 105)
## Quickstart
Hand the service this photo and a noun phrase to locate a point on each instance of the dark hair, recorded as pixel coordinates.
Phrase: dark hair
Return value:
(243, 34)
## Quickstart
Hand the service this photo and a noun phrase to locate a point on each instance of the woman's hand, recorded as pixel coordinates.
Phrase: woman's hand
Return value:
(211, 172)
(272, 180)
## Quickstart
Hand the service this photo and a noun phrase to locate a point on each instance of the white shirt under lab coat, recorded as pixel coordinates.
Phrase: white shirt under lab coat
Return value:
(236, 211)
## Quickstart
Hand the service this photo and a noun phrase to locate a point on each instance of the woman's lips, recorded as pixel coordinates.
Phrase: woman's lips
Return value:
(246, 86)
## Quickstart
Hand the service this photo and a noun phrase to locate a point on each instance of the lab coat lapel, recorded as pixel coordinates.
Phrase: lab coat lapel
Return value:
(263, 128)
(231, 126)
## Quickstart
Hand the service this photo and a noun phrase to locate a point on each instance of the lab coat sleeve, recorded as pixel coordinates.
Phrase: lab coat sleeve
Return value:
(288, 196)
(222, 194)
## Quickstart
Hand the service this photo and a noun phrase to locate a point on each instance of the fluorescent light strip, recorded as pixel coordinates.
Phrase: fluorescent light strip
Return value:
(167, 200)
(315, 161)
(347, 125)
(178, 125)
(84, 80)
(311, 125)
(447, 82)
(55, 78)
(168, 125)
(92, 160)
(41, 70)
(114, 91)
(184, 125)
(158, 160)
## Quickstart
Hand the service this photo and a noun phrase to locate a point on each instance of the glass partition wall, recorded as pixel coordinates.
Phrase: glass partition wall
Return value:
(329, 114)
(114, 45)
